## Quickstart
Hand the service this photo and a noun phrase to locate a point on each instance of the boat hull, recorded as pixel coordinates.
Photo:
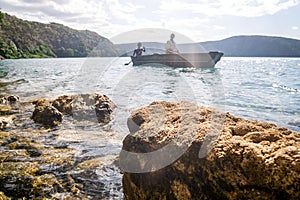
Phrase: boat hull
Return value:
(185, 60)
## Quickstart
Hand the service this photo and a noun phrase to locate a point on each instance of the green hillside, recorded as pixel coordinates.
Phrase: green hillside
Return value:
(26, 39)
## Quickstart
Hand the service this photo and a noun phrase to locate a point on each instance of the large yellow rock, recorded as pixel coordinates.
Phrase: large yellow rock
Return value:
(182, 151)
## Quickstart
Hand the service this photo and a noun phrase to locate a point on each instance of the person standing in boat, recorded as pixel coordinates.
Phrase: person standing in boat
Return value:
(171, 45)
(139, 50)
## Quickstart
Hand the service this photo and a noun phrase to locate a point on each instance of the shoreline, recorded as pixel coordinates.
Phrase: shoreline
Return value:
(47, 153)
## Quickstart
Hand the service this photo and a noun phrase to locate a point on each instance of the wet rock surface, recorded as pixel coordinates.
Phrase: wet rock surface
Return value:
(44, 113)
(7, 109)
(190, 152)
(45, 161)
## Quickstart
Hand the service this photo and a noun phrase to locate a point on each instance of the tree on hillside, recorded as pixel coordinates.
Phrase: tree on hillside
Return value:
(1, 17)
(1, 41)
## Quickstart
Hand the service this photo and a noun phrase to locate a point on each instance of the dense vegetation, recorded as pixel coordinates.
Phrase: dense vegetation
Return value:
(1, 17)
(25, 39)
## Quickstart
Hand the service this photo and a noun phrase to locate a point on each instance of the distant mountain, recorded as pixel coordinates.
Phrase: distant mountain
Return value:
(244, 46)
(25, 39)
(256, 46)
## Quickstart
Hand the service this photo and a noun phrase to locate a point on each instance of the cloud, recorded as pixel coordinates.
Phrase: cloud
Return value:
(149, 35)
(295, 28)
(79, 14)
(103, 16)
(122, 11)
(242, 8)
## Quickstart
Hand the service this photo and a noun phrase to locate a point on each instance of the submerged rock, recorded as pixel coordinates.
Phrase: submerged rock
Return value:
(55, 174)
(6, 121)
(16, 177)
(6, 111)
(21, 179)
(181, 151)
(9, 99)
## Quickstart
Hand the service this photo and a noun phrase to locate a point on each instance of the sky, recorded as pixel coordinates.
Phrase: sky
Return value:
(195, 20)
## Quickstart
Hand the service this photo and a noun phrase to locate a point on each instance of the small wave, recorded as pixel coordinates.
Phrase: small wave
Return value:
(19, 81)
(284, 87)
(186, 70)
(294, 123)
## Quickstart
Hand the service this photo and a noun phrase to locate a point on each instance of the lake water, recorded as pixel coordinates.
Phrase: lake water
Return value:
(266, 89)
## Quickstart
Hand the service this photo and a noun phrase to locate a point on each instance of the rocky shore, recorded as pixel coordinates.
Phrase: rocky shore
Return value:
(181, 151)
(50, 149)
(44, 152)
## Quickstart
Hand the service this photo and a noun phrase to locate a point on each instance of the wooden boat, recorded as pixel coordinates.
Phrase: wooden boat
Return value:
(184, 60)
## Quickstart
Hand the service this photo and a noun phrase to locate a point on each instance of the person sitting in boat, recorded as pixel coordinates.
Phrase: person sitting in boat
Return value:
(139, 51)
(171, 45)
